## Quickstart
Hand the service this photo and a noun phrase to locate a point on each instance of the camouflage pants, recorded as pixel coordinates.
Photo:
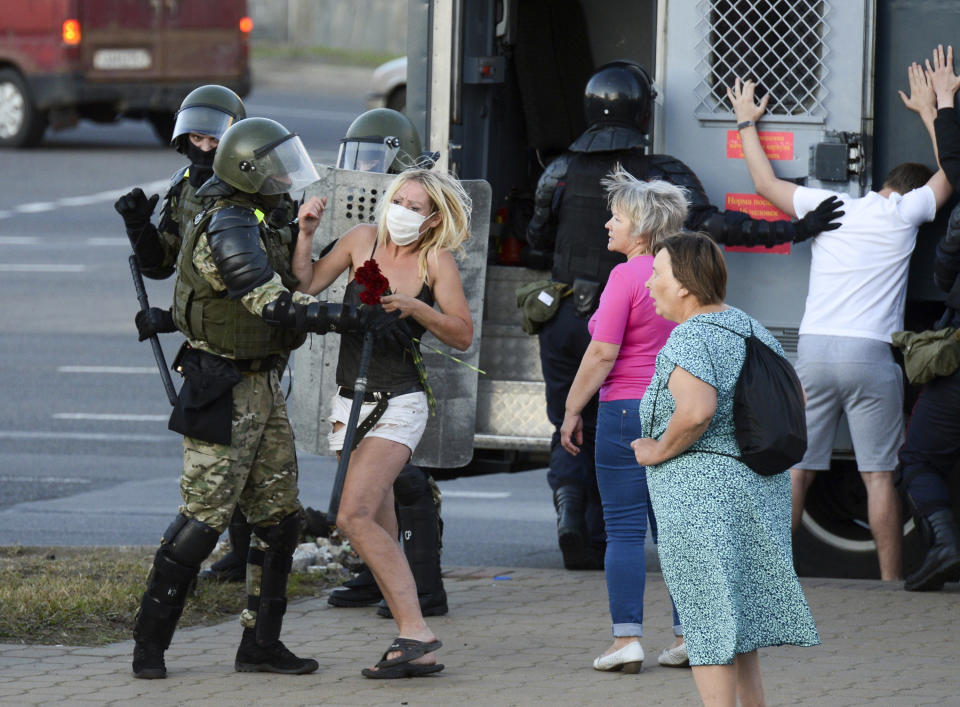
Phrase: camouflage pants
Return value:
(258, 470)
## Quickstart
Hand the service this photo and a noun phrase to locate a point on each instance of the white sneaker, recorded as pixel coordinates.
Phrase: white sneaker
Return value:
(675, 657)
(629, 659)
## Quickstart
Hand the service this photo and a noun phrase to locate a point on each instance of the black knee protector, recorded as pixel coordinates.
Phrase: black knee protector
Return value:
(186, 543)
(189, 541)
(411, 485)
(281, 540)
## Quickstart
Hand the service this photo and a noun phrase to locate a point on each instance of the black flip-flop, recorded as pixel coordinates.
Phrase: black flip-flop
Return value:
(401, 667)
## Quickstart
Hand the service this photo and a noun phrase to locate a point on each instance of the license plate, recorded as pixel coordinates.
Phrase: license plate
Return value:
(121, 59)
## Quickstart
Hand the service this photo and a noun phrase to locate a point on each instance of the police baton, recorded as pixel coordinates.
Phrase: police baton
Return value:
(359, 388)
(154, 340)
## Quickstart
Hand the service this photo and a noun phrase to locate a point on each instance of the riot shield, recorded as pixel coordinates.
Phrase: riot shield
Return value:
(352, 198)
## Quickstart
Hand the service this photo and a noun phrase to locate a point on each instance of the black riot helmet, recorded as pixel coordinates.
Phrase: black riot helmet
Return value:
(259, 155)
(620, 92)
(380, 140)
(207, 110)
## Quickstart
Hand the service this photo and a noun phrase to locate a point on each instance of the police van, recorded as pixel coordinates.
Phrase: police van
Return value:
(496, 87)
(62, 60)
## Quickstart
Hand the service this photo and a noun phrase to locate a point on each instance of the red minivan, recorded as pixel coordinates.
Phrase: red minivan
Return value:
(61, 60)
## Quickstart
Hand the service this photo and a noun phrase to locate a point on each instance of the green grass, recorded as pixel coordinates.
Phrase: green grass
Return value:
(331, 55)
(85, 596)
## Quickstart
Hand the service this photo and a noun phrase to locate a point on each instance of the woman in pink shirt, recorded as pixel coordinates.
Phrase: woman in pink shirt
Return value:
(626, 336)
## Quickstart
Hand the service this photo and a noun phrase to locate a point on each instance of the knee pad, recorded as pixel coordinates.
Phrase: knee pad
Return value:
(282, 537)
(411, 485)
(188, 541)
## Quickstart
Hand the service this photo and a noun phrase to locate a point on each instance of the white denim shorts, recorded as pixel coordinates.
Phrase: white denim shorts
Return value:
(403, 421)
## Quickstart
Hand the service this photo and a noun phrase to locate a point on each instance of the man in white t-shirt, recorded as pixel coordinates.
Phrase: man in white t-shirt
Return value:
(858, 283)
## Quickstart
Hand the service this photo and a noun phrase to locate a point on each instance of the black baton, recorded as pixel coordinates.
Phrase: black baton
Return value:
(154, 340)
(359, 388)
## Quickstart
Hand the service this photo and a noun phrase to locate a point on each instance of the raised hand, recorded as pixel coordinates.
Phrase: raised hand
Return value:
(135, 208)
(310, 214)
(922, 98)
(744, 104)
(945, 82)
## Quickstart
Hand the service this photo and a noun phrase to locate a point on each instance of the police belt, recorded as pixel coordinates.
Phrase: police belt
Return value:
(254, 365)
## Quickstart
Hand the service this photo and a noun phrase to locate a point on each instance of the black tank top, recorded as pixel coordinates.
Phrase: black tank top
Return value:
(391, 367)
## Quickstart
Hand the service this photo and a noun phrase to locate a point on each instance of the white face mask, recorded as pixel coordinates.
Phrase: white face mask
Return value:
(404, 224)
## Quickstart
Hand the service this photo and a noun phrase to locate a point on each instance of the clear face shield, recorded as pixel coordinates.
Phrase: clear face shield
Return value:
(368, 154)
(205, 120)
(287, 165)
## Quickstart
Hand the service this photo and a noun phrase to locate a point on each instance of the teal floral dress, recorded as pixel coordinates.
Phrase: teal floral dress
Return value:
(724, 546)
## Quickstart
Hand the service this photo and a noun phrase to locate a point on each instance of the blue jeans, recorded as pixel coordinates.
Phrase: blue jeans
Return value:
(626, 507)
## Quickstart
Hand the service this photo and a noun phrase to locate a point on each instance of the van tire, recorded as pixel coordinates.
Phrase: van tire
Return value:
(21, 123)
(834, 540)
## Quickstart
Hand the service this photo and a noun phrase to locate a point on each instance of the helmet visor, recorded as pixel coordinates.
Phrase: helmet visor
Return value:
(286, 167)
(367, 154)
(205, 120)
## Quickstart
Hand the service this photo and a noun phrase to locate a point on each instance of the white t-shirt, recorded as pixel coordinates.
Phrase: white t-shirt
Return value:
(858, 272)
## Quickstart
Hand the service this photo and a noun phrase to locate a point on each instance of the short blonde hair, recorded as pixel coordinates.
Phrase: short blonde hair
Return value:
(447, 198)
(655, 208)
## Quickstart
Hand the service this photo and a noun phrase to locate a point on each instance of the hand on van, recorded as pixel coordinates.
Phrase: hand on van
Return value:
(744, 104)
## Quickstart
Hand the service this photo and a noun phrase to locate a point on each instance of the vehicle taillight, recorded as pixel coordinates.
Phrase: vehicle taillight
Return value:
(71, 32)
(246, 25)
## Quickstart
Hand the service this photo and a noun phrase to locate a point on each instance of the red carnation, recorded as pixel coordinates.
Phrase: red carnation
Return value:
(373, 282)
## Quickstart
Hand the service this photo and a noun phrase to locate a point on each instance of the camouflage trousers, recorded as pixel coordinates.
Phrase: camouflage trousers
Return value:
(258, 470)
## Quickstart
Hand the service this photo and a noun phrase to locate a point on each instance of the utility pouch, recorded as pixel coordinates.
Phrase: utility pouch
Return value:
(586, 296)
(538, 302)
(204, 408)
(929, 354)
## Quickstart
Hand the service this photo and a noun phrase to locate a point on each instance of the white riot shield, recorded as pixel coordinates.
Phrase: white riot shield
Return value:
(352, 198)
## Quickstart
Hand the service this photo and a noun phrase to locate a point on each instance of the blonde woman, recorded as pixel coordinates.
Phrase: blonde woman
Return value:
(424, 217)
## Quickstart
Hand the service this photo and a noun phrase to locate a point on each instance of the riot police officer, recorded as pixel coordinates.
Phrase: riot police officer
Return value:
(234, 301)
(385, 140)
(569, 211)
(204, 115)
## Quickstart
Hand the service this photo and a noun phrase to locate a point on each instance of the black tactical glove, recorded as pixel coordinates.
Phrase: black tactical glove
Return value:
(135, 208)
(822, 218)
(153, 321)
(387, 327)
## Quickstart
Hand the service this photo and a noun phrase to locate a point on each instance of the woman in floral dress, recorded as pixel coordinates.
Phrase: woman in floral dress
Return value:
(725, 547)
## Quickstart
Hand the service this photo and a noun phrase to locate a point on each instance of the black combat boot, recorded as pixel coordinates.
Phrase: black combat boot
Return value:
(272, 658)
(148, 661)
(942, 563)
(232, 567)
(261, 650)
(362, 590)
(571, 534)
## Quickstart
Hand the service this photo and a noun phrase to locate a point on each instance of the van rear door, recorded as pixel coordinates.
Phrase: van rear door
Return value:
(183, 41)
(122, 40)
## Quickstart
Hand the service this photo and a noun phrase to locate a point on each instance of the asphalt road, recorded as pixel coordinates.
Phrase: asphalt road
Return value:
(85, 456)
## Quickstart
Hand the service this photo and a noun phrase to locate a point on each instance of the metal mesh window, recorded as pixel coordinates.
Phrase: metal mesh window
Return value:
(778, 43)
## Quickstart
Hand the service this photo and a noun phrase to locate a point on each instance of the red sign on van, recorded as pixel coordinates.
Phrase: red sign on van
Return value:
(778, 146)
(756, 207)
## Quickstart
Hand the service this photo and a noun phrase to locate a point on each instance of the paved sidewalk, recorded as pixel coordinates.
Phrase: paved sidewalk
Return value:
(522, 637)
